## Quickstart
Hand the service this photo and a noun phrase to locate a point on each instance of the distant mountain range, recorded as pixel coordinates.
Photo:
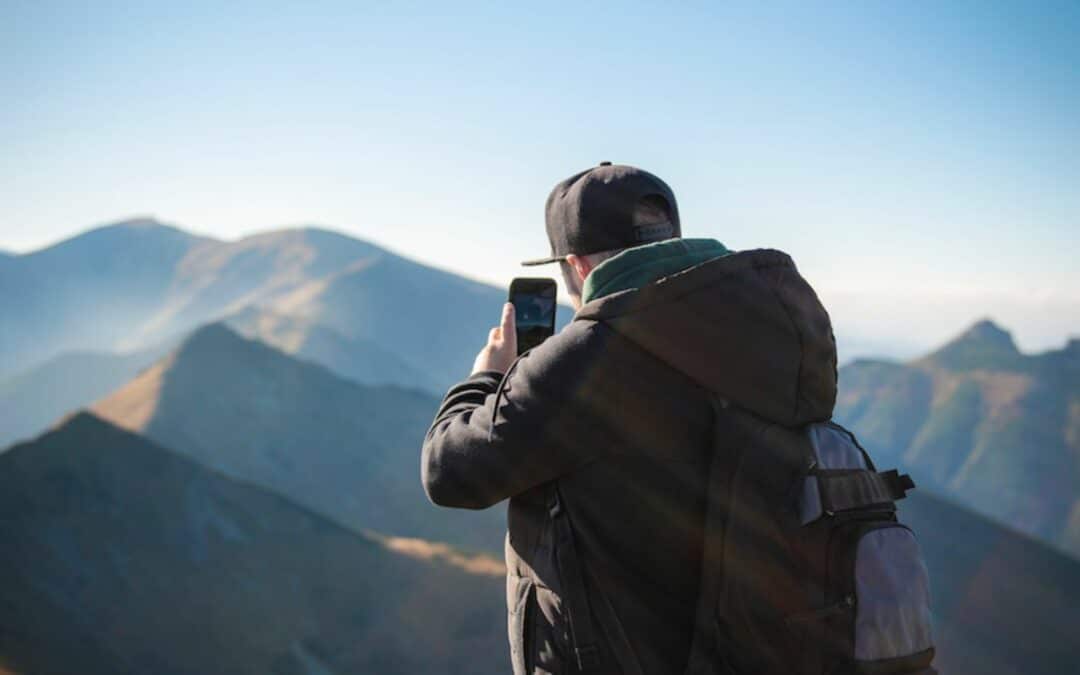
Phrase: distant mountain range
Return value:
(94, 306)
(347, 450)
(326, 296)
(121, 557)
(87, 293)
(979, 421)
(244, 495)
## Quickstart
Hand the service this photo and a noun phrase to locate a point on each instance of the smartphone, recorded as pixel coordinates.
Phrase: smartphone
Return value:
(534, 310)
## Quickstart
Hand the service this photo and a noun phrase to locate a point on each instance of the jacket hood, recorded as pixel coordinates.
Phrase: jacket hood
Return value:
(746, 326)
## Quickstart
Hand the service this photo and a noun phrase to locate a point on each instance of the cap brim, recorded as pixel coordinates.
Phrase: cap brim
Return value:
(543, 261)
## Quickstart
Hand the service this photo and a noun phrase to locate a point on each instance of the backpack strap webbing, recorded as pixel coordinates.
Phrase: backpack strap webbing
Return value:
(843, 490)
(706, 645)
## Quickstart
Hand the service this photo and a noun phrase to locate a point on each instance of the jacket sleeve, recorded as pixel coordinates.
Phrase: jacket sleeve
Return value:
(497, 436)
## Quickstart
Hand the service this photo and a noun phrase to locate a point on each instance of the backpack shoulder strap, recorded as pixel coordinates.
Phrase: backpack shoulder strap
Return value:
(705, 649)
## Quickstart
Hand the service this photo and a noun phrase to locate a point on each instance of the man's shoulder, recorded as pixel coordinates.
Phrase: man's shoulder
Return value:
(585, 354)
(574, 346)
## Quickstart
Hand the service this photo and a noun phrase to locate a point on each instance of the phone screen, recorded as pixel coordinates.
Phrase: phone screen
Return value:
(534, 311)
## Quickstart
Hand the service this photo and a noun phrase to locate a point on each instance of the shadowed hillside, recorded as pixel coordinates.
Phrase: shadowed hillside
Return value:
(33, 400)
(979, 421)
(123, 557)
(1004, 604)
(346, 450)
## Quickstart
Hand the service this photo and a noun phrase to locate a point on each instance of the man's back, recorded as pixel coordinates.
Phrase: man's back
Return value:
(613, 416)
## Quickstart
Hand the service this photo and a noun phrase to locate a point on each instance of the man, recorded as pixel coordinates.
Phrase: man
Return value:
(601, 436)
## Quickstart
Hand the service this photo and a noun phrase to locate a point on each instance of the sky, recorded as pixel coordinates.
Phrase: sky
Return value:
(919, 161)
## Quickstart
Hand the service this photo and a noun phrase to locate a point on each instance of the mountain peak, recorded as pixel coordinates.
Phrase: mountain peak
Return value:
(150, 235)
(211, 336)
(985, 345)
(134, 225)
(141, 221)
(986, 332)
(216, 346)
(79, 428)
(79, 422)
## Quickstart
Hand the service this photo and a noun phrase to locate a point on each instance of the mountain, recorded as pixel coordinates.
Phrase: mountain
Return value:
(123, 557)
(982, 423)
(346, 450)
(357, 359)
(1003, 603)
(313, 292)
(85, 293)
(360, 310)
(434, 319)
(216, 281)
(30, 401)
(332, 294)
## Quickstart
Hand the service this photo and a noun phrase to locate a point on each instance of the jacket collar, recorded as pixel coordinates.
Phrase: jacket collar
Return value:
(640, 265)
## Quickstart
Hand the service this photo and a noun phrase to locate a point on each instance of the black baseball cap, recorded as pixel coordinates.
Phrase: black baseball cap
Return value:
(600, 209)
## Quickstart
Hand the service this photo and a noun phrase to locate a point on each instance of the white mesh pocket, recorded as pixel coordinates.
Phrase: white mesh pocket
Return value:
(892, 593)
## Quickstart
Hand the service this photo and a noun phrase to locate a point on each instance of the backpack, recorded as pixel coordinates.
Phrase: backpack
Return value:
(805, 571)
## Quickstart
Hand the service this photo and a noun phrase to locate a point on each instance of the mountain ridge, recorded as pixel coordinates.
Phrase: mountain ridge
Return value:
(979, 421)
(346, 449)
(107, 529)
(981, 624)
(129, 285)
(31, 401)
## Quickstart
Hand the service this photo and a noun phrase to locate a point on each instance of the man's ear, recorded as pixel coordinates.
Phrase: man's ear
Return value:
(580, 264)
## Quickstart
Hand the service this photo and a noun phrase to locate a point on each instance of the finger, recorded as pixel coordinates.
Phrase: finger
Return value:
(508, 327)
(495, 334)
(507, 319)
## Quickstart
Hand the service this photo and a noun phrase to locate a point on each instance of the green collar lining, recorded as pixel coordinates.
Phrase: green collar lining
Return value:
(636, 267)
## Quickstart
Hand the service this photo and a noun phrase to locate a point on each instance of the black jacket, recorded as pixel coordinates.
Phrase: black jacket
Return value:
(615, 410)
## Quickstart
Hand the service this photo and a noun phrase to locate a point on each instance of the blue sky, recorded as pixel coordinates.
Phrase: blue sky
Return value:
(920, 162)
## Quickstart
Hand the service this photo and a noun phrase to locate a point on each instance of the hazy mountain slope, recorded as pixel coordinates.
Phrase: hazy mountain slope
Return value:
(87, 292)
(31, 401)
(135, 284)
(1003, 603)
(123, 557)
(357, 359)
(436, 319)
(211, 283)
(347, 450)
(981, 422)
